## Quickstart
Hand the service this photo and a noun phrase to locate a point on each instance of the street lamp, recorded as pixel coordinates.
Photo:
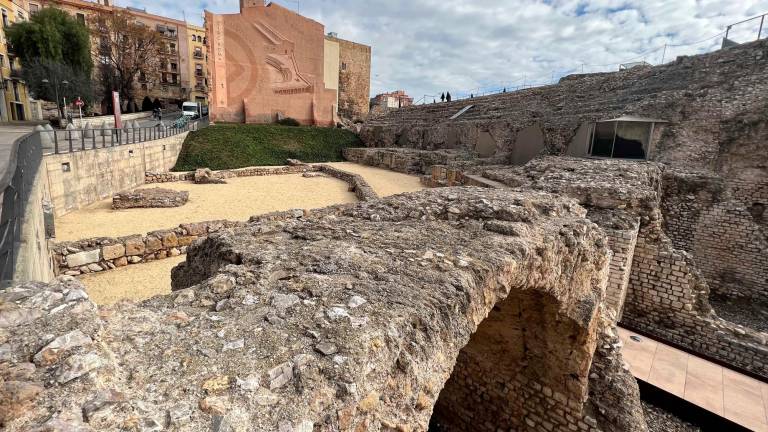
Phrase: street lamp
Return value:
(56, 91)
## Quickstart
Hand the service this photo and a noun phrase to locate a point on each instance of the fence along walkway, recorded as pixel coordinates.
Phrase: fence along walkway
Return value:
(25, 161)
(73, 139)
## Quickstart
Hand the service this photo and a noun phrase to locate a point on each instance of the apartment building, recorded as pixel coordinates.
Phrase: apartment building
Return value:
(14, 99)
(183, 70)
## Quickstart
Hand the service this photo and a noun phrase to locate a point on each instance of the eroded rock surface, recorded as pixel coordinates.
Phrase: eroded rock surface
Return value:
(350, 319)
(149, 198)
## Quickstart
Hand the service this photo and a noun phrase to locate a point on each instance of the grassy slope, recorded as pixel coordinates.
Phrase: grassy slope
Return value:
(226, 146)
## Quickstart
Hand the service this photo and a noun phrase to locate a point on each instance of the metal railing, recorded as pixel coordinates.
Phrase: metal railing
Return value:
(71, 140)
(16, 185)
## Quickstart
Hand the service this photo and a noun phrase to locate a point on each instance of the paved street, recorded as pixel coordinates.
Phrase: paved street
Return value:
(8, 135)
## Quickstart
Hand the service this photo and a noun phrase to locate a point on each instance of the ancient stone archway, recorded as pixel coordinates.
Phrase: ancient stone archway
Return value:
(524, 363)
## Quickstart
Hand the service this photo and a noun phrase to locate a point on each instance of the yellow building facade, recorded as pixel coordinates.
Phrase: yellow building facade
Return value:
(15, 102)
(197, 64)
(182, 76)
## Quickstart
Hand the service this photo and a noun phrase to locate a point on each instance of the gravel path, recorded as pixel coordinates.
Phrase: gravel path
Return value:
(237, 200)
(135, 282)
(383, 181)
(741, 311)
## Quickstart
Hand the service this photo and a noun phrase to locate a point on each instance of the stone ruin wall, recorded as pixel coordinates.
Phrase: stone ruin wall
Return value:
(713, 195)
(363, 339)
(705, 98)
(92, 255)
(722, 223)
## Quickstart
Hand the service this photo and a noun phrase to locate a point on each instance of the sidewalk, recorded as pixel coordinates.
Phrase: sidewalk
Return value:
(729, 394)
(8, 134)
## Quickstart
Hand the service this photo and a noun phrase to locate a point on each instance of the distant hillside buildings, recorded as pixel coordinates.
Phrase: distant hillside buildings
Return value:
(268, 62)
(396, 99)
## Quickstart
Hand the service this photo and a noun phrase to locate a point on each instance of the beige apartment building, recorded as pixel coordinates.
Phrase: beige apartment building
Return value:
(14, 99)
(183, 68)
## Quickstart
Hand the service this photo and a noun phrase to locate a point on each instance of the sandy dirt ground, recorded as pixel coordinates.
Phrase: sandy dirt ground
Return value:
(237, 200)
(383, 181)
(207, 202)
(135, 282)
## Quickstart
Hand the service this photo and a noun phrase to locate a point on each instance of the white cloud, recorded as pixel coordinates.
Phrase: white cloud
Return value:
(429, 46)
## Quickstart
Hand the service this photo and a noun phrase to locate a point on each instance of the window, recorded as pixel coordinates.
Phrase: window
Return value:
(621, 139)
(5, 18)
(194, 38)
(81, 18)
(198, 52)
(33, 8)
(174, 66)
(172, 47)
(343, 66)
(2, 61)
(198, 69)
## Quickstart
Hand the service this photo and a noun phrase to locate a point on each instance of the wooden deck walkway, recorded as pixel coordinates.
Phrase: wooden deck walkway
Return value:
(739, 398)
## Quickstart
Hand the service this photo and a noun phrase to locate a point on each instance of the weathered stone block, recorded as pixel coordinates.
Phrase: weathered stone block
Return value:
(134, 246)
(83, 258)
(153, 244)
(169, 240)
(147, 198)
(113, 251)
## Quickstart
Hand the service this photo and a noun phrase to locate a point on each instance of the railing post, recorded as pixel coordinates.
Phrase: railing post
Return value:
(69, 138)
(55, 142)
(760, 32)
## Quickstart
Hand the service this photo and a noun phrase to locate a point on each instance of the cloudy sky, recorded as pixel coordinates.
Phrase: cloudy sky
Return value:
(463, 46)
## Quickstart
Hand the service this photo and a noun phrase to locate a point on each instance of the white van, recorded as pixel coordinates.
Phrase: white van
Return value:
(190, 109)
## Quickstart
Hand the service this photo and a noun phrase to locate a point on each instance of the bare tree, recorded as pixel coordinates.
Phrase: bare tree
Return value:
(126, 50)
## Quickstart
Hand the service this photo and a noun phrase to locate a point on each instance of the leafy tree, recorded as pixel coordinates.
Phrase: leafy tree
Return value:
(126, 51)
(49, 79)
(52, 35)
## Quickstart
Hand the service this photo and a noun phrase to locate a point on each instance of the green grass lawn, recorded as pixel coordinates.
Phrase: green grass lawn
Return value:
(227, 146)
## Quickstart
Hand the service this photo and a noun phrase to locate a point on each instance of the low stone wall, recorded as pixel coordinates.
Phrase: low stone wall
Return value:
(357, 183)
(81, 178)
(106, 253)
(109, 120)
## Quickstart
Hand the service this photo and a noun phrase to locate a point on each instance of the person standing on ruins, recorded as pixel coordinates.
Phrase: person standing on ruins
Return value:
(448, 96)
(442, 97)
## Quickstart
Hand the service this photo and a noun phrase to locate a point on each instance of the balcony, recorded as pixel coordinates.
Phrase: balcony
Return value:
(201, 87)
(197, 55)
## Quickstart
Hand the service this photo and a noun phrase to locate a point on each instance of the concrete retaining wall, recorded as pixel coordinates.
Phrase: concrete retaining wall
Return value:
(81, 178)
(33, 261)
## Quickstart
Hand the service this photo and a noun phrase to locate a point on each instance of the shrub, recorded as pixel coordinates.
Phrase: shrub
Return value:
(288, 121)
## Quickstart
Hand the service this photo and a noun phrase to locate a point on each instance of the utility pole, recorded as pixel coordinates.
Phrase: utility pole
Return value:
(663, 53)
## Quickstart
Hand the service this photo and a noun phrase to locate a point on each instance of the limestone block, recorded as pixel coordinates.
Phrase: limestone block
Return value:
(134, 246)
(186, 240)
(83, 258)
(110, 252)
(170, 240)
(154, 244)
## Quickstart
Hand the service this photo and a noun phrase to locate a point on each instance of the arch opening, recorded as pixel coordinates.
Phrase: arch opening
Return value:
(525, 368)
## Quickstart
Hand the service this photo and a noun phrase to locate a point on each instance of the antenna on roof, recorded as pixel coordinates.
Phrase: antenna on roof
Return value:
(184, 14)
